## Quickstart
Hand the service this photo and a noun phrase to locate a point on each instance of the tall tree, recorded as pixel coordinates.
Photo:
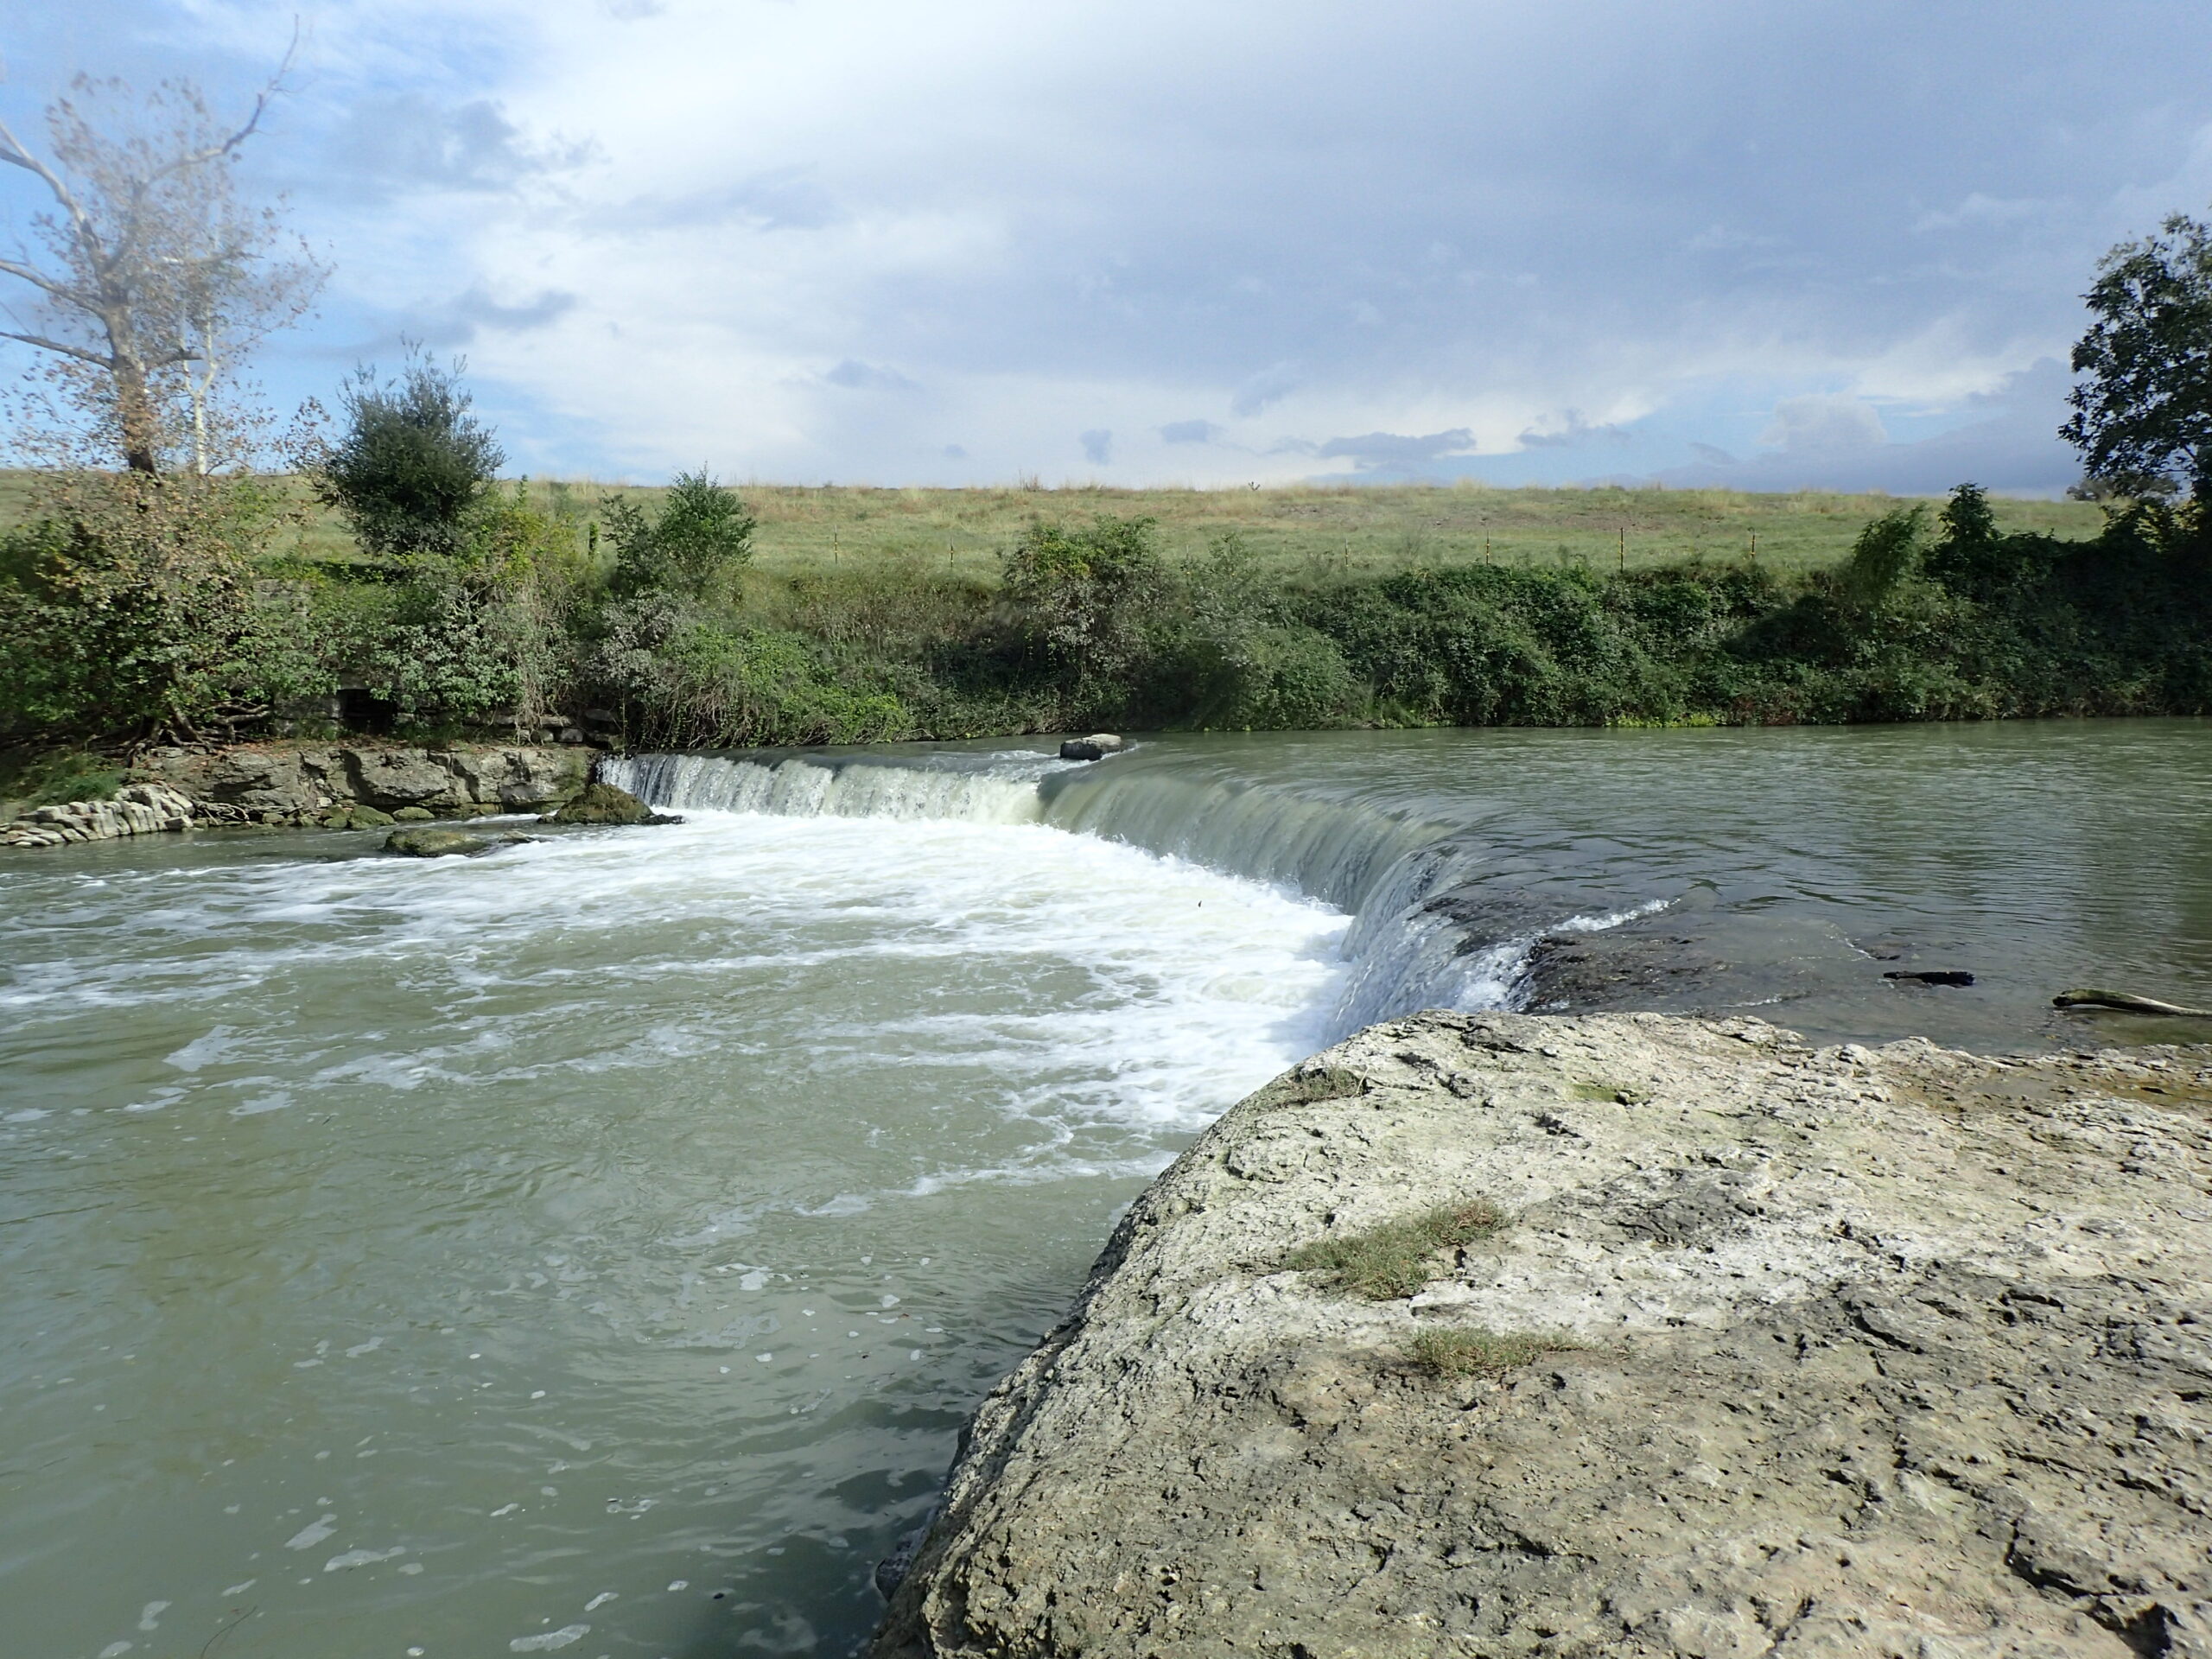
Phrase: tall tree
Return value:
(150, 277)
(2143, 418)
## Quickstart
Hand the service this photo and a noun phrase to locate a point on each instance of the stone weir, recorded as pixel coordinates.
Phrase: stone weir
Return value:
(1742, 1348)
(335, 787)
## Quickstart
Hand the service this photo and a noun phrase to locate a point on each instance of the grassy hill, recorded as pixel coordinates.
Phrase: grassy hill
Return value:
(1302, 535)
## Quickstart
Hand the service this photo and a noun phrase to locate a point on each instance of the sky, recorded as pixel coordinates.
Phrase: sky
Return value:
(1835, 245)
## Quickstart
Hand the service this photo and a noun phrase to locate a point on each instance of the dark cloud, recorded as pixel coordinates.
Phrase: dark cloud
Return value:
(1570, 430)
(954, 452)
(1190, 432)
(406, 141)
(856, 376)
(1097, 446)
(459, 322)
(1711, 454)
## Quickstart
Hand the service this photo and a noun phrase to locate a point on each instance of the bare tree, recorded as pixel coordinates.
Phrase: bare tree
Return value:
(152, 277)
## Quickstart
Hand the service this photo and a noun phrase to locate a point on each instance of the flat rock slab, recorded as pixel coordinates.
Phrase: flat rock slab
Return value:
(1892, 1352)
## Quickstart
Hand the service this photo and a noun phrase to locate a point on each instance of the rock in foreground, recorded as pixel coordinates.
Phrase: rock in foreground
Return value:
(1892, 1352)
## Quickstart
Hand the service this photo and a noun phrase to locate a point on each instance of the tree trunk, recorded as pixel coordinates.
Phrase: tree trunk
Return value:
(134, 414)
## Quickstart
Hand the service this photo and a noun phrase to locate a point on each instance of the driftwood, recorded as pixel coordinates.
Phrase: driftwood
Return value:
(2088, 998)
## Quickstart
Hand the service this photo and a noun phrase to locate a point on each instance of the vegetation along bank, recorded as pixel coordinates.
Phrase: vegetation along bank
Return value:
(657, 620)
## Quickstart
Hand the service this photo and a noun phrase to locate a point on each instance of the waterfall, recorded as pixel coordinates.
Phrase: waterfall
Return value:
(815, 786)
(1417, 939)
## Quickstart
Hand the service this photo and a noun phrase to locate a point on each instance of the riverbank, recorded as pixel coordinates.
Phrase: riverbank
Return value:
(1891, 1351)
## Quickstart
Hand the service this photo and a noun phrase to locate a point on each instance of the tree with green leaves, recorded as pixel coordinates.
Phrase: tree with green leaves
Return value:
(701, 535)
(414, 463)
(2143, 417)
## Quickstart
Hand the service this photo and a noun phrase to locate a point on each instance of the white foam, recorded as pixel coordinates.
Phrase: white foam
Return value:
(567, 1635)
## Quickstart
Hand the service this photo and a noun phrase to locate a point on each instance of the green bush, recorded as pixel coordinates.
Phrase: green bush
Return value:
(701, 536)
(140, 615)
(686, 680)
(1085, 599)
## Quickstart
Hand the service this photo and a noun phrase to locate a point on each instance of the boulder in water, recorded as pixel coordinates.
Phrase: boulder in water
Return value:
(605, 804)
(1096, 746)
(435, 844)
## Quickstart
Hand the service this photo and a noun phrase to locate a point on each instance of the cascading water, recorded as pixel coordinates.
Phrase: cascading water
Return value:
(1405, 949)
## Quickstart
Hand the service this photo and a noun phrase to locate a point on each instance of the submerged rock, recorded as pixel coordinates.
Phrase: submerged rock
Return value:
(1889, 1350)
(605, 804)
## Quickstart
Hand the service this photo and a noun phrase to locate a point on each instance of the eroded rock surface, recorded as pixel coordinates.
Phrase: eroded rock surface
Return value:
(1889, 1351)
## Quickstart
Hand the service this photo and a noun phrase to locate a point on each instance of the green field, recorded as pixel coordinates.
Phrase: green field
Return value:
(1309, 533)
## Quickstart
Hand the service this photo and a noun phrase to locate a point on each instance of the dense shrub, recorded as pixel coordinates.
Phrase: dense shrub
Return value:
(685, 680)
(701, 536)
(137, 612)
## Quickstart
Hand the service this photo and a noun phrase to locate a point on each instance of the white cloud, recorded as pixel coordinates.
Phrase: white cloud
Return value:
(735, 228)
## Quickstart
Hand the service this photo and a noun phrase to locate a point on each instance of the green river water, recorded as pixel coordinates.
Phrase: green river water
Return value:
(595, 1247)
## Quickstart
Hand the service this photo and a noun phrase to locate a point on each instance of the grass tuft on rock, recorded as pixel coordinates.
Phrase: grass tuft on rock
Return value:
(1397, 1259)
(1464, 1353)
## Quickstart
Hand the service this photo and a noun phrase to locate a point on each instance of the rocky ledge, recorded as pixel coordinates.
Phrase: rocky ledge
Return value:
(337, 787)
(1755, 1349)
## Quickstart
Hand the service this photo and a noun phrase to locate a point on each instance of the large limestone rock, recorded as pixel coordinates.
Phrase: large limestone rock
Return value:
(282, 784)
(394, 778)
(1878, 1352)
(280, 781)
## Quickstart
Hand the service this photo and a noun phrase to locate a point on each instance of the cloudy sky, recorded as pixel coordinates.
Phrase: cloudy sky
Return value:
(806, 240)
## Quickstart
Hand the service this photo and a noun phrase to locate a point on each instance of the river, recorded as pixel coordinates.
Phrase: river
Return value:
(595, 1247)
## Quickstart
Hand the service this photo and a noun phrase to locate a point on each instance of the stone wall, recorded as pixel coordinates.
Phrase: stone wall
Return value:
(135, 810)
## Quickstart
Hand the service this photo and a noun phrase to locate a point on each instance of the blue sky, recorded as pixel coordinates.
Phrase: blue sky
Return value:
(807, 240)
